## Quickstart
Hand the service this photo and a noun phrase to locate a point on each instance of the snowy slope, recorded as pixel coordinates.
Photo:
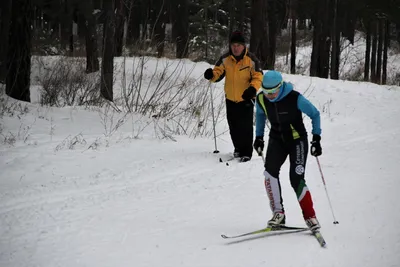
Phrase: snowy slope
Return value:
(157, 202)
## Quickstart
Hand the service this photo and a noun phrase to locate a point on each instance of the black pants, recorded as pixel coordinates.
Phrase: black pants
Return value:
(240, 121)
(277, 153)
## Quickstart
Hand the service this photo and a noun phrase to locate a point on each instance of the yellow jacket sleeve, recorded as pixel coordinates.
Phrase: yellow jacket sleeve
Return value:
(219, 70)
(256, 73)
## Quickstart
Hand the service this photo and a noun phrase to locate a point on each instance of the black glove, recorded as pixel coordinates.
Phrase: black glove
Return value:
(259, 144)
(249, 93)
(208, 74)
(316, 149)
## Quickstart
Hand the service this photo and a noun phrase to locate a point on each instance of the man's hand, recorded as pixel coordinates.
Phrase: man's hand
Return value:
(249, 93)
(208, 74)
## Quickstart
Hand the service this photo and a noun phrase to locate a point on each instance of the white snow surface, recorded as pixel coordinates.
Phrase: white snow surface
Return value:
(71, 196)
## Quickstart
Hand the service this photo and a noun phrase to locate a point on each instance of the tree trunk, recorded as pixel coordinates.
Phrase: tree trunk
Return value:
(107, 64)
(242, 15)
(232, 19)
(367, 51)
(159, 26)
(385, 51)
(301, 24)
(119, 30)
(317, 31)
(88, 26)
(92, 54)
(314, 51)
(325, 40)
(259, 41)
(205, 25)
(380, 47)
(19, 53)
(321, 40)
(293, 45)
(81, 21)
(335, 34)
(373, 52)
(98, 4)
(5, 34)
(134, 22)
(145, 19)
(71, 42)
(181, 26)
(273, 25)
(66, 37)
(348, 12)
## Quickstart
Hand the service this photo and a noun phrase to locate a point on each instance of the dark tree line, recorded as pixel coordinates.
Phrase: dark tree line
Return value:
(200, 27)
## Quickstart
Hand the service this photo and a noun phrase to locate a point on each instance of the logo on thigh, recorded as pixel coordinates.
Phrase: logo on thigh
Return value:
(299, 169)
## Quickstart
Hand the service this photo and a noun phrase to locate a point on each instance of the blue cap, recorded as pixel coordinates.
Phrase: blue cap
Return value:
(271, 79)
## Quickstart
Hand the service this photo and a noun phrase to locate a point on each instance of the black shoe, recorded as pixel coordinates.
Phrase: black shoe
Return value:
(245, 159)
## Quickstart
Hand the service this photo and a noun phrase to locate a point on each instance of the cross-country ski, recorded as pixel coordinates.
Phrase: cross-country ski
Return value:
(267, 230)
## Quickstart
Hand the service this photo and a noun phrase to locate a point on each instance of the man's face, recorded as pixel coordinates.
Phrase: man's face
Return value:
(237, 49)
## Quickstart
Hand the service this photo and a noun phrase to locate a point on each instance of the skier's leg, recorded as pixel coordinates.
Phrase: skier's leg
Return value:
(274, 159)
(232, 118)
(246, 129)
(298, 159)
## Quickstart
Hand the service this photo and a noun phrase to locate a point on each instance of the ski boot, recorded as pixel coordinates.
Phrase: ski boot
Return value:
(279, 218)
(313, 224)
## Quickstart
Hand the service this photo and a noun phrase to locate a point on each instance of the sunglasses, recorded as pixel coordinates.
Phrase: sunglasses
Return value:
(273, 90)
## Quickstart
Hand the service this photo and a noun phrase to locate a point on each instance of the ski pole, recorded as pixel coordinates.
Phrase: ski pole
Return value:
(326, 190)
(212, 111)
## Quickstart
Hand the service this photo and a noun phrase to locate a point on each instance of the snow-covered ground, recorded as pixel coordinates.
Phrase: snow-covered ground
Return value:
(73, 192)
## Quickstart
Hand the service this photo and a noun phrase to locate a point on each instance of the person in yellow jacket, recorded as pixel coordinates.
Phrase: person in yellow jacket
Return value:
(243, 76)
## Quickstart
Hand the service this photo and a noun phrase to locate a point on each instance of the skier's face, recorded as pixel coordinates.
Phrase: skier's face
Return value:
(272, 96)
(237, 49)
(272, 93)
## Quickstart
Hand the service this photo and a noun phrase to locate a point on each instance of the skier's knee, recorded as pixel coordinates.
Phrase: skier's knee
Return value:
(271, 173)
(272, 170)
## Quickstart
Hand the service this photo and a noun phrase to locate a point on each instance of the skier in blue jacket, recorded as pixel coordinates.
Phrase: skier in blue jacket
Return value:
(283, 107)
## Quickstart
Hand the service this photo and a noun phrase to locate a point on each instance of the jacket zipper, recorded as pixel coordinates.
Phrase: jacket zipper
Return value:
(279, 122)
(233, 80)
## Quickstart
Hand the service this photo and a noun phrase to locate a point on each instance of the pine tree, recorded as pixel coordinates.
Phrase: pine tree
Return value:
(107, 64)
(6, 6)
(19, 52)
(181, 27)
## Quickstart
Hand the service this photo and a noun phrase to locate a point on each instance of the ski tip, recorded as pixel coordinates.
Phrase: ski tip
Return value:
(319, 237)
(224, 236)
(323, 244)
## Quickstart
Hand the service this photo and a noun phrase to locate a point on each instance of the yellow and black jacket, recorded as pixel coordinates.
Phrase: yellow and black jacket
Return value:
(239, 72)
